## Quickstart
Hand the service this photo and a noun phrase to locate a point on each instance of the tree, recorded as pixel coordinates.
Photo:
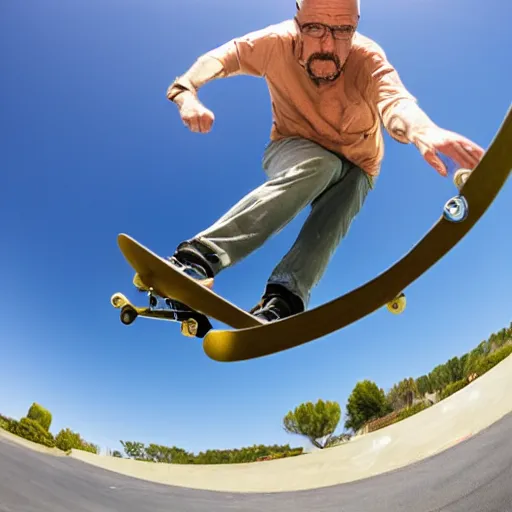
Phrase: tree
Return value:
(366, 402)
(134, 450)
(482, 349)
(473, 361)
(317, 421)
(402, 394)
(168, 454)
(440, 377)
(424, 385)
(463, 364)
(503, 336)
(455, 369)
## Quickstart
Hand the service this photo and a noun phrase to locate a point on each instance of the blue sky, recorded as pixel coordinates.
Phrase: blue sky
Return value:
(90, 147)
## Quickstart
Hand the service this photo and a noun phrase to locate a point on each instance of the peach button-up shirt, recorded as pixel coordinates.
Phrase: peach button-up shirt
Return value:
(344, 117)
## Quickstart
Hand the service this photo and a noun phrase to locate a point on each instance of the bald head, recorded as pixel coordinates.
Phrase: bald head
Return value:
(332, 12)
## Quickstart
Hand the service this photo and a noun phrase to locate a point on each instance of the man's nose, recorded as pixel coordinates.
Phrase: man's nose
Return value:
(327, 42)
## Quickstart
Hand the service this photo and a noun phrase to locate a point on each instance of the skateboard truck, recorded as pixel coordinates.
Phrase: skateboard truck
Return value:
(456, 208)
(193, 324)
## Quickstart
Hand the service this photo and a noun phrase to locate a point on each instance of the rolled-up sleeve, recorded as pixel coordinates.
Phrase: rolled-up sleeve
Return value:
(389, 94)
(248, 54)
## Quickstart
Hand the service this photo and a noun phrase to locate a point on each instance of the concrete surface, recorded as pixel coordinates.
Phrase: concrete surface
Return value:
(473, 476)
(478, 405)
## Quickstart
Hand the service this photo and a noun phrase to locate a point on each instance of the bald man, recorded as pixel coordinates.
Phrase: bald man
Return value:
(332, 89)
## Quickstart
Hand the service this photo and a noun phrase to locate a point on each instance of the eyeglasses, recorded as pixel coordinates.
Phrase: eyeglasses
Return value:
(318, 30)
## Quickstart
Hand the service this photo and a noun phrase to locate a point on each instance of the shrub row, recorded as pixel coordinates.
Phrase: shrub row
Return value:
(453, 387)
(281, 455)
(33, 431)
(488, 362)
(397, 416)
(483, 365)
(35, 427)
(5, 421)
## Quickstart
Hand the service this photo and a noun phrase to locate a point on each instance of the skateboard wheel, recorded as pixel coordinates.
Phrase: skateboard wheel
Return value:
(189, 328)
(153, 301)
(397, 305)
(118, 300)
(128, 315)
(456, 209)
(196, 328)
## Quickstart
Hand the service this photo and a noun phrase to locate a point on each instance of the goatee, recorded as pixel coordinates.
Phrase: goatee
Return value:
(331, 77)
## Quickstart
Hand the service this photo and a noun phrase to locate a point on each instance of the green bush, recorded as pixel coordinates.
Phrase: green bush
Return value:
(399, 416)
(281, 455)
(453, 387)
(5, 422)
(66, 440)
(41, 415)
(488, 362)
(90, 447)
(411, 411)
(32, 431)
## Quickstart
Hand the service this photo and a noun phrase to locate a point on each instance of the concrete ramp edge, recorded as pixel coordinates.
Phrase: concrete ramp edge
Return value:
(472, 409)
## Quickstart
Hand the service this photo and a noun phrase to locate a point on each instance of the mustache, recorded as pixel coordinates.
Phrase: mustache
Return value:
(324, 56)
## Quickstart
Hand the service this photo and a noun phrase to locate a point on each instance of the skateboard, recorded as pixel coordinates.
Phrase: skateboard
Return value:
(478, 189)
(184, 299)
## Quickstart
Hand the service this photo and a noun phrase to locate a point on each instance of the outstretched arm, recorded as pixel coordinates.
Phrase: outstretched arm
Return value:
(205, 69)
(247, 55)
(406, 122)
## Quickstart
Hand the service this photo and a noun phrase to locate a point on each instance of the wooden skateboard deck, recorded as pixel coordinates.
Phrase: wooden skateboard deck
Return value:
(479, 192)
(169, 283)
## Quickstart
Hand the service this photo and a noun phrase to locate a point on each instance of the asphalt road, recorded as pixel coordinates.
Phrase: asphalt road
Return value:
(473, 476)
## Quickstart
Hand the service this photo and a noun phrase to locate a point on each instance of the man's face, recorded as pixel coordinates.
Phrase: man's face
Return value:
(327, 28)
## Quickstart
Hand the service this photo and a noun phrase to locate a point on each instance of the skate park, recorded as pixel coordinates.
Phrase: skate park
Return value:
(93, 147)
(456, 457)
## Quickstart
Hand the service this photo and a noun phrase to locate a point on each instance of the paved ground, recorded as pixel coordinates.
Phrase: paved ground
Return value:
(473, 476)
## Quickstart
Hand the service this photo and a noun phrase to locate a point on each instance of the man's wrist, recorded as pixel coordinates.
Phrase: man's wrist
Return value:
(182, 97)
(179, 88)
(406, 121)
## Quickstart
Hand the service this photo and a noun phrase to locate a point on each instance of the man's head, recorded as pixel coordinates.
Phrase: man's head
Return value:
(327, 28)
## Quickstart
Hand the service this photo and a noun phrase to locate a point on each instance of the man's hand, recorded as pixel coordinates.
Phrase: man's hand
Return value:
(432, 139)
(193, 113)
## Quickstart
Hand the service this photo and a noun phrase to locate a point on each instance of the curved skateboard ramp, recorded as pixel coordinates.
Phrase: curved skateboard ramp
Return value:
(462, 415)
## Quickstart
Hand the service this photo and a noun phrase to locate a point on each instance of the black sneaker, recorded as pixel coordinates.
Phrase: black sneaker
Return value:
(277, 303)
(271, 309)
(190, 262)
(193, 270)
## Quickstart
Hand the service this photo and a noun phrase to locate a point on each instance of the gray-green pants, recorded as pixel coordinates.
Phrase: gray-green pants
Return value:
(300, 172)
